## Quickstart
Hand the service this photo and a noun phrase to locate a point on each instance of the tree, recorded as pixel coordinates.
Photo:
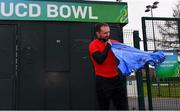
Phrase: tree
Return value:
(169, 32)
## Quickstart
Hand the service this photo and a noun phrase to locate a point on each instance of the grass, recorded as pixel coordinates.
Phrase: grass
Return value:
(171, 90)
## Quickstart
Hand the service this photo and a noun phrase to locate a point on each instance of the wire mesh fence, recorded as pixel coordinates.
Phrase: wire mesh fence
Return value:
(131, 80)
(163, 34)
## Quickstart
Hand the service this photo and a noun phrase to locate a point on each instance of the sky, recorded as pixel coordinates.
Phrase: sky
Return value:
(136, 10)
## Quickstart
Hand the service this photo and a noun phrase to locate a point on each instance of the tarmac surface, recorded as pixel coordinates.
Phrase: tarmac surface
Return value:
(158, 103)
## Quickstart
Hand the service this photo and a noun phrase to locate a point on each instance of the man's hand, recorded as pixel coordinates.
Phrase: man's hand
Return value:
(109, 42)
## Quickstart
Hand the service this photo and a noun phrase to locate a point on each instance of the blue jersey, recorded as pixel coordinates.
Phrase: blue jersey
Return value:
(132, 59)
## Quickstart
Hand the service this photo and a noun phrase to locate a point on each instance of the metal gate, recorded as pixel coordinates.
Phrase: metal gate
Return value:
(35, 67)
(8, 65)
(161, 34)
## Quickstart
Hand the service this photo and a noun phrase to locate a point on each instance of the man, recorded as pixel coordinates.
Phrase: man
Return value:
(110, 84)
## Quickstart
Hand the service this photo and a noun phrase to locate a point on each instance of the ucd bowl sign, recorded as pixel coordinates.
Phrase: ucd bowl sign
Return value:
(62, 11)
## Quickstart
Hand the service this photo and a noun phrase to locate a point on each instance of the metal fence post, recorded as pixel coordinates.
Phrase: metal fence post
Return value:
(178, 23)
(139, 79)
(147, 67)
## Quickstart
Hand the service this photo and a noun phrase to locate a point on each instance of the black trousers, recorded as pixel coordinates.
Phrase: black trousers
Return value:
(114, 89)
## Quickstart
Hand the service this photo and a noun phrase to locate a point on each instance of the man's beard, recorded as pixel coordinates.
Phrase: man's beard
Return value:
(103, 39)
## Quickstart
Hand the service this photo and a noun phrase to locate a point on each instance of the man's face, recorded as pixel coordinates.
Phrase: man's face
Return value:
(104, 33)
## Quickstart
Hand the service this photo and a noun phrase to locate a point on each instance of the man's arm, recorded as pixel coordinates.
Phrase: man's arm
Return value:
(100, 57)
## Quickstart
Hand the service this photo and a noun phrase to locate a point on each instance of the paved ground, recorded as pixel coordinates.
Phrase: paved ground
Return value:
(158, 103)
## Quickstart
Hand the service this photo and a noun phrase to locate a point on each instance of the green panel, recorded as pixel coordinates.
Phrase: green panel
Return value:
(170, 67)
(63, 11)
